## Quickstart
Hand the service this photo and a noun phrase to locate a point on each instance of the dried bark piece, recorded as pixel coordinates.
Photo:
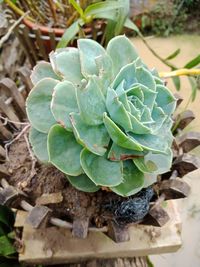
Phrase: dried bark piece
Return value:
(179, 99)
(189, 141)
(52, 198)
(186, 163)
(157, 216)
(174, 188)
(80, 227)
(117, 232)
(38, 217)
(3, 170)
(184, 119)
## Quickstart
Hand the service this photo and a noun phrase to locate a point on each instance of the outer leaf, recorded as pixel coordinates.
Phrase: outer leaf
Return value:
(156, 143)
(38, 105)
(133, 180)
(177, 82)
(130, 25)
(64, 151)
(43, 70)
(38, 142)
(91, 103)
(122, 52)
(101, 170)
(174, 54)
(118, 153)
(83, 183)
(194, 62)
(89, 50)
(145, 165)
(118, 137)
(122, 14)
(66, 63)
(6, 247)
(70, 33)
(165, 99)
(101, 7)
(104, 65)
(63, 103)
(94, 138)
(77, 7)
(149, 179)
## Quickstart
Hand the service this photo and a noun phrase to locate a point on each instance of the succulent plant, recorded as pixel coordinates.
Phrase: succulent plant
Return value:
(101, 117)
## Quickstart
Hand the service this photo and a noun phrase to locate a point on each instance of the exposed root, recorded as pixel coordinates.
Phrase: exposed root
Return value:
(15, 139)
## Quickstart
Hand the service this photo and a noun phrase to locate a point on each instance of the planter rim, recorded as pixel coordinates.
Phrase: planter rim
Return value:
(46, 30)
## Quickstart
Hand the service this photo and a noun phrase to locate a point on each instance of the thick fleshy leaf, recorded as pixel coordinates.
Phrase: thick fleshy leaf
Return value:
(64, 151)
(104, 66)
(89, 50)
(156, 163)
(117, 110)
(165, 99)
(43, 70)
(126, 74)
(91, 103)
(63, 103)
(101, 170)
(149, 179)
(122, 52)
(159, 117)
(133, 180)
(122, 95)
(156, 143)
(66, 63)
(137, 127)
(38, 142)
(119, 137)
(146, 78)
(118, 153)
(83, 183)
(94, 138)
(145, 165)
(38, 105)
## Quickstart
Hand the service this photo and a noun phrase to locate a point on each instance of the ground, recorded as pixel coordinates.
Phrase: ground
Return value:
(190, 207)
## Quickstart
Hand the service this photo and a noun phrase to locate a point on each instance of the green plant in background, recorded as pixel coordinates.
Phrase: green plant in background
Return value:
(7, 251)
(101, 117)
(114, 12)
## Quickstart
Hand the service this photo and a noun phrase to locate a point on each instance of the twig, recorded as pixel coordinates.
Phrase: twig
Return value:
(15, 139)
(34, 160)
(17, 10)
(6, 120)
(7, 35)
(155, 53)
(180, 72)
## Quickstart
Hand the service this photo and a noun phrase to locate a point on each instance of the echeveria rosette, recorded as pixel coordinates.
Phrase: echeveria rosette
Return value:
(101, 117)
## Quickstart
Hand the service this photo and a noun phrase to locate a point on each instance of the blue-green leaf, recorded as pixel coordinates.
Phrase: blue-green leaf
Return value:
(101, 170)
(64, 151)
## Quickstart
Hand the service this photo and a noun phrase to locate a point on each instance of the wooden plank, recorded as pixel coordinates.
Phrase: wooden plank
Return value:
(40, 43)
(24, 46)
(24, 74)
(6, 134)
(56, 245)
(2, 152)
(8, 111)
(29, 41)
(9, 86)
(52, 39)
